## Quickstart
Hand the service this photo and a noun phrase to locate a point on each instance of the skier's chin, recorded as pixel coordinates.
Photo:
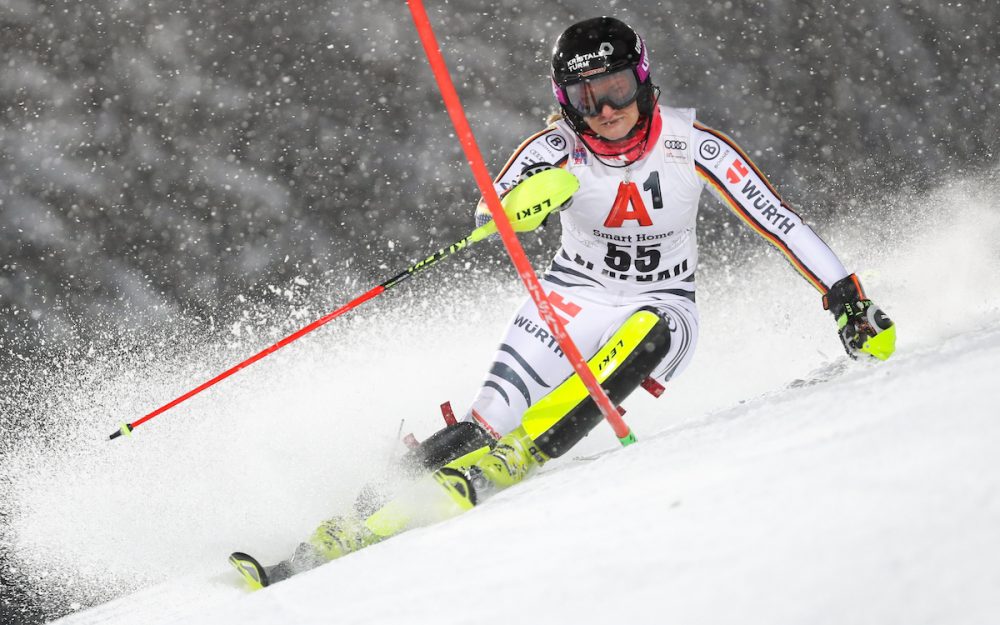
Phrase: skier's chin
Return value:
(614, 125)
(613, 130)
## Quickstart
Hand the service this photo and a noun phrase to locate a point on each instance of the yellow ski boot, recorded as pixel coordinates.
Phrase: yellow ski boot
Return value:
(514, 456)
(340, 536)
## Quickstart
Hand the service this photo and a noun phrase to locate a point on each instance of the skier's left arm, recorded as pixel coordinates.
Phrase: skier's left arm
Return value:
(725, 168)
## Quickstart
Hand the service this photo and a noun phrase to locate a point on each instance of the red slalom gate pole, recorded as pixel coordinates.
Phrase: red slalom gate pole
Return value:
(510, 241)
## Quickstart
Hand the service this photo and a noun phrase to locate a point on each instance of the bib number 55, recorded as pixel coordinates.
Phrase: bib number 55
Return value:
(620, 258)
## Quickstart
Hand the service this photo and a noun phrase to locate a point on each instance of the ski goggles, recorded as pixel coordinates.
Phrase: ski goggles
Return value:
(617, 89)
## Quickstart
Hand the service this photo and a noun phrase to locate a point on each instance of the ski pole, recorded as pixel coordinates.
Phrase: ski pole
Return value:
(524, 269)
(527, 205)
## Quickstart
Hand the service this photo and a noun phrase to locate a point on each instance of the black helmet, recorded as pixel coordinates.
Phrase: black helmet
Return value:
(592, 49)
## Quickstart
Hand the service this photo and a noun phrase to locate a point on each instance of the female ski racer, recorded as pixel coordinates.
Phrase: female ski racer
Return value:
(623, 282)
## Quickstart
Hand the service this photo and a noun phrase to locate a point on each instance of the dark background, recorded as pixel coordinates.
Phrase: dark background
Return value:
(165, 163)
(163, 158)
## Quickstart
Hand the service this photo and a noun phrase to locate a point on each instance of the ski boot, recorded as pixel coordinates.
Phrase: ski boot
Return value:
(514, 456)
(340, 536)
(475, 472)
(334, 538)
(458, 487)
(463, 442)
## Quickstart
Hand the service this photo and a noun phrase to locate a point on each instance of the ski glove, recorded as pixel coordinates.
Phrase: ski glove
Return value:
(862, 326)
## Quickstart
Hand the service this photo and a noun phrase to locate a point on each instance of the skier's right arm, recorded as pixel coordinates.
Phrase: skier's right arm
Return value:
(548, 146)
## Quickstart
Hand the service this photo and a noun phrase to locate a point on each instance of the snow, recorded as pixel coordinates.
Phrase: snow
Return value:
(872, 498)
(774, 483)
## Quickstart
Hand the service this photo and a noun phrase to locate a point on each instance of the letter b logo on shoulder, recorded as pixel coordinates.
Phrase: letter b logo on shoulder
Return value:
(556, 142)
(709, 149)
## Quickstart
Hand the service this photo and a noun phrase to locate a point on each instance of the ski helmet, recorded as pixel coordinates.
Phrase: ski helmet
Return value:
(590, 51)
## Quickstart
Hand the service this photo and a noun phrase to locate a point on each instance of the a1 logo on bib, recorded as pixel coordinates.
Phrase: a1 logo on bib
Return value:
(675, 149)
(628, 206)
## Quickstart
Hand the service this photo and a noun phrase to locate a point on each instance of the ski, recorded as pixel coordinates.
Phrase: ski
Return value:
(252, 571)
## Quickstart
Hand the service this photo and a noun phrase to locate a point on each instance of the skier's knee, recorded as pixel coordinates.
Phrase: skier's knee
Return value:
(562, 418)
(448, 445)
(457, 445)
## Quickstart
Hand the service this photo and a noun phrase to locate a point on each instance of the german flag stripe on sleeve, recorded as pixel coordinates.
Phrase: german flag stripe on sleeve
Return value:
(747, 218)
(520, 150)
(544, 149)
(729, 142)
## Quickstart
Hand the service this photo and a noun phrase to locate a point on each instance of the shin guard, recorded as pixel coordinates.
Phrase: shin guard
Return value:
(562, 418)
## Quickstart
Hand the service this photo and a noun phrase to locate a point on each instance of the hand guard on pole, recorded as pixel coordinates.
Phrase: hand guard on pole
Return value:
(862, 326)
(483, 215)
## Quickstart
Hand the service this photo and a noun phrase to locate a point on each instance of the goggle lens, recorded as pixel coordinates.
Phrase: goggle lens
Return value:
(589, 96)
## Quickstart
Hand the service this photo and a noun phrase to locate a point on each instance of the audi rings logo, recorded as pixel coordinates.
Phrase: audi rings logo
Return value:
(556, 142)
(709, 149)
(675, 144)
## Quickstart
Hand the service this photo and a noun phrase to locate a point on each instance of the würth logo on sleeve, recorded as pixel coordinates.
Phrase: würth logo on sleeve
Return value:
(737, 171)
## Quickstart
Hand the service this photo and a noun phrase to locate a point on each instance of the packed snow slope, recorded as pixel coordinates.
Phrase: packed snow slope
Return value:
(776, 482)
(871, 498)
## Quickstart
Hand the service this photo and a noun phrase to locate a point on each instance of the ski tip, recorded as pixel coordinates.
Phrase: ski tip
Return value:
(251, 570)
